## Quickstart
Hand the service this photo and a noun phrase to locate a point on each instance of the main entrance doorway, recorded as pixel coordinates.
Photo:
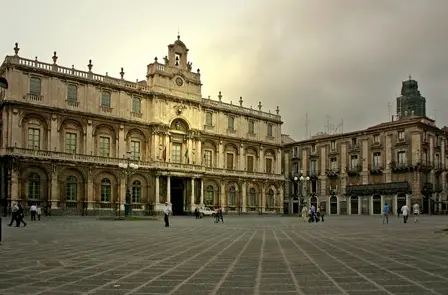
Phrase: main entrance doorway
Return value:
(178, 195)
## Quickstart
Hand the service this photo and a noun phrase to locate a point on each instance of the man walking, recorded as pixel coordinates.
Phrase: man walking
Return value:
(14, 211)
(405, 212)
(386, 213)
(167, 212)
(33, 212)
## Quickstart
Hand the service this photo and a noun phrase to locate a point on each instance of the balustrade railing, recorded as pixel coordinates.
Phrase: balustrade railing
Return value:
(92, 159)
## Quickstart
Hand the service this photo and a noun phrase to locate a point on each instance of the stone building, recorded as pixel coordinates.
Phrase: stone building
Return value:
(78, 142)
(398, 162)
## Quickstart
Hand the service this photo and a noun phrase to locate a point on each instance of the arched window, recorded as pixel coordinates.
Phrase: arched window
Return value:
(106, 190)
(209, 195)
(270, 200)
(34, 187)
(252, 197)
(232, 196)
(71, 189)
(136, 192)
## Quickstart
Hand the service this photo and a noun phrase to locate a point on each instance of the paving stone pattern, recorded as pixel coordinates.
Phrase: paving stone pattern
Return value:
(245, 255)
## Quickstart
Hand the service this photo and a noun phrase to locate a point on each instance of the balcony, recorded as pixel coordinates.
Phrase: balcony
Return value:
(401, 141)
(33, 97)
(72, 103)
(376, 168)
(425, 166)
(313, 174)
(376, 145)
(382, 189)
(354, 170)
(439, 168)
(81, 159)
(354, 148)
(332, 172)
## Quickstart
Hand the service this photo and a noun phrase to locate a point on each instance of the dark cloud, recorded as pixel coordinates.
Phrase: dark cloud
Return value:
(342, 58)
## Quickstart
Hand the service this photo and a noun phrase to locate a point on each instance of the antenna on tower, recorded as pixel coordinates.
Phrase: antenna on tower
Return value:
(389, 108)
(327, 124)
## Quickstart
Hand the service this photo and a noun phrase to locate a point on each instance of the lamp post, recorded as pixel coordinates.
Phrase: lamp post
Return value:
(302, 180)
(127, 168)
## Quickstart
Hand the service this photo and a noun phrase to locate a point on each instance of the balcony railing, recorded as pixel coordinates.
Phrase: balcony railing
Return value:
(151, 165)
(333, 172)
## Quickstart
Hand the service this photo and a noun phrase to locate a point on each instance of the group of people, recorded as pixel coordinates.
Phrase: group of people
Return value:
(167, 211)
(17, 214)
(404, 211)
(312, 214)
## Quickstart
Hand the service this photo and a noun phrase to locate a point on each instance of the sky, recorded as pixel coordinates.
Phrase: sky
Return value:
(328, 61)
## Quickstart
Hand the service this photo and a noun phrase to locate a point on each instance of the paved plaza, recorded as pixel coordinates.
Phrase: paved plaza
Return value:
(245, 255)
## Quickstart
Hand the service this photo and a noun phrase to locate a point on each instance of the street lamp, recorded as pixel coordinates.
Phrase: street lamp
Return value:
(127, 169)
(302, 180)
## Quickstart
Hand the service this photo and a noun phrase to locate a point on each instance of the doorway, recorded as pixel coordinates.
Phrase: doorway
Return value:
(333, 205)
(354, 201)
(376, 199)
(177, 196)
(401, 201)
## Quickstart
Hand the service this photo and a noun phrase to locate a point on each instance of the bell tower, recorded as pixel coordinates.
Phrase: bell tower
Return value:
(411, 102)
(175, 76)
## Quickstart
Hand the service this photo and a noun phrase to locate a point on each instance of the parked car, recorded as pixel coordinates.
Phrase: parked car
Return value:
(206, 212)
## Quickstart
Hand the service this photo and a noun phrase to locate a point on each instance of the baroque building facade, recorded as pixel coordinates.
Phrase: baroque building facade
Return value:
(77, 142)
(399, 162)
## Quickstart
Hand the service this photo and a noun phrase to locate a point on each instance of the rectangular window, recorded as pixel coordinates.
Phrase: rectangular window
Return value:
(294, 152)
(34, 138)
(402, 158)
(313, 148)
(35, 86)
(354, 162)
(313, 167)
(295, 168)
(269, 130)
(135, 150)
(231, 123)
(333, 145)
(176, 153)
(208, 158)
(334, 164)
(436, 159)
(401, 135)
(70, 142)
(105, 99)
(229, 161)
(377, 159)
(251, 127)
(209, 119)
(72, 93)
(269, 165)
(376, 139)
(104, 146)
(354, 141)
(250, 164)
(136, 104)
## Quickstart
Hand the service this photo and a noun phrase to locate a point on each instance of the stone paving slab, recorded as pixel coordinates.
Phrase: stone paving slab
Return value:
(244, 255)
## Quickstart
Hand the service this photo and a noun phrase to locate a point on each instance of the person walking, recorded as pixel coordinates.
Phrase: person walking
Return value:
(33, 212)
(38, 212)
(386, 213)
(322, 212)
(416, 212)
(20, 216)
(167, 211)
(405, 212)
(14, 210)
(304, 213)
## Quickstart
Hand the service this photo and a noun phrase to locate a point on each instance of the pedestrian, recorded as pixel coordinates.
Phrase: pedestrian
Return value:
(196, 213)
(404, 212)
(216, 215)
(167, 211)
(38, 212)
(322, 212)
(398, 212)
(33, 212)
(20, 215)
(14, 210)
(386, 213)
(220, 216)
(416, 212)
(304, 213)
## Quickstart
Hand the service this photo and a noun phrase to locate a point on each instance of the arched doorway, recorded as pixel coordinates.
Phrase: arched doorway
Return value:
(334, 205)
(313, 202)
(179, 202)
(401, 201)
(354, 201)
(376, 199)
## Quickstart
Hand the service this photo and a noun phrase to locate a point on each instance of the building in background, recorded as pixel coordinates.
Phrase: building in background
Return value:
(76, 142)
(398, 162)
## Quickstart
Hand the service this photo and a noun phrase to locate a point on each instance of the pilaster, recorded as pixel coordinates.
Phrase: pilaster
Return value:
(202, 193)
(241, 162)
(388, 158)
(261, 165)
(121, 143)
(220, 163)
(244, 196)
(54, 187)
(192, 199)
(53, 136)
(168, 189)
(89, 139)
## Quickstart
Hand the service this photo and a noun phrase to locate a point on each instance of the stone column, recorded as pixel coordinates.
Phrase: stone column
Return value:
(241, 162)
(220, 163)
(222, 195)
(121, 143)
(14, 185)
(89, 146)
(280, 202)
(359, 206)
(388, 158)
(168, 148)
(278, 162)
(168, 189)
(202, 193)
(261, 167)
(157, 190)
(199, 154)
(263, 198)
(90, 191)
(153, 151)
(188, 158)
(54, 188)
(244, 197)
(192, 199)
